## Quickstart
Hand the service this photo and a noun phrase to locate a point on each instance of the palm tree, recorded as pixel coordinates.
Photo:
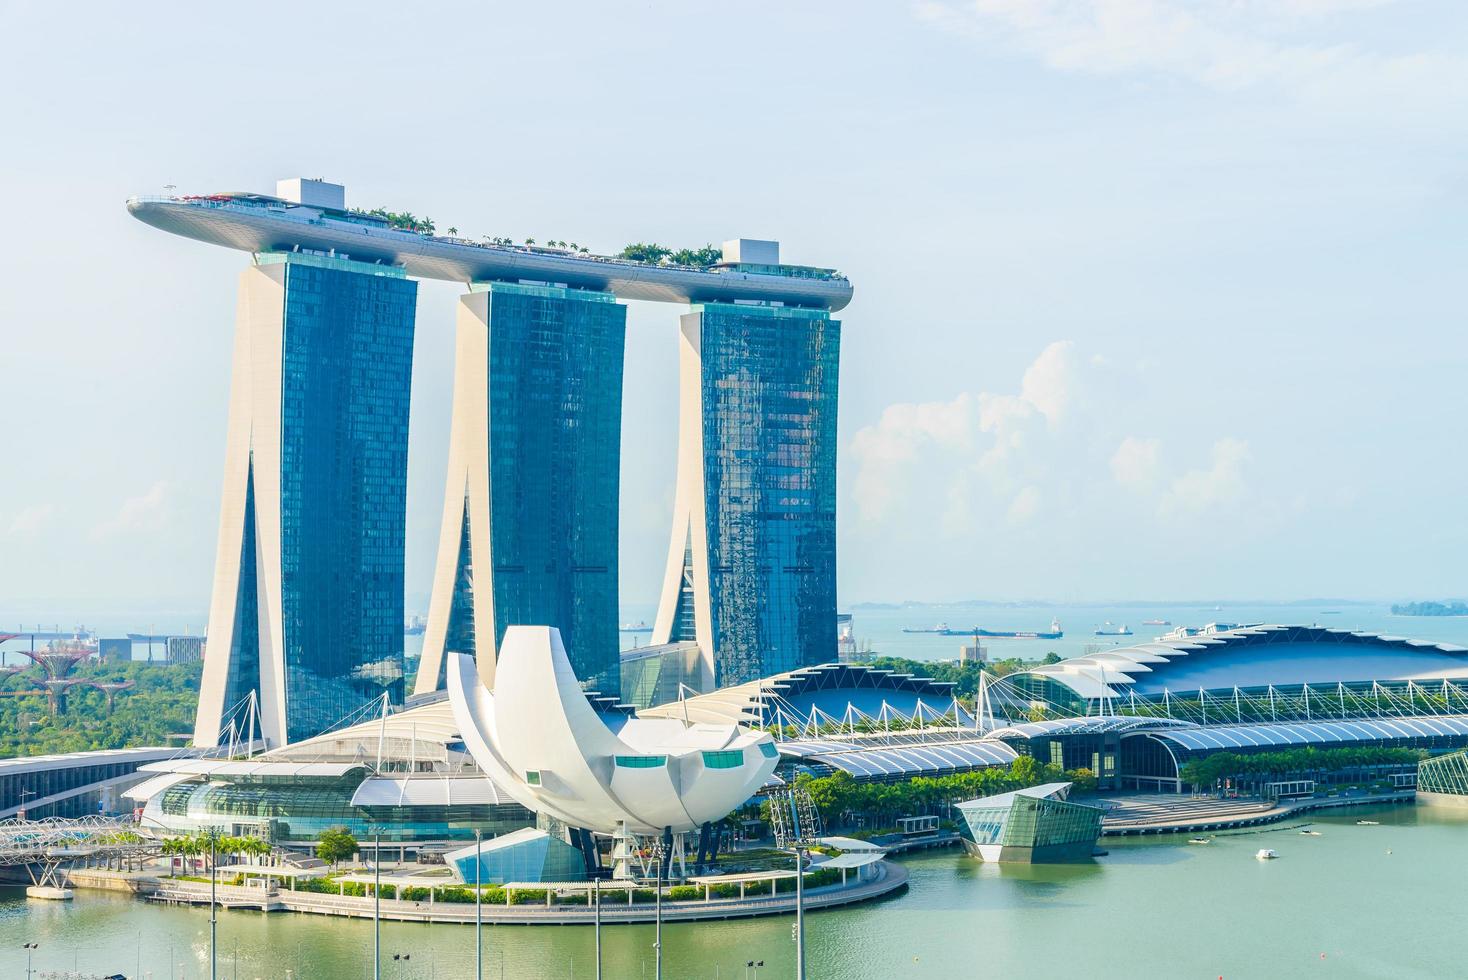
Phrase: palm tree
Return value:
(453, 231)
(529, 241)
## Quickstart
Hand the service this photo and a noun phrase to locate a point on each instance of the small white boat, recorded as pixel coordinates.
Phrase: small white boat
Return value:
(1368, 823)
(1200, 840)
(1311, 833)
(1266, 854)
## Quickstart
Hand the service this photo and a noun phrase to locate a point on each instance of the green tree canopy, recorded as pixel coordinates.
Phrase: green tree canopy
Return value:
(336, 845)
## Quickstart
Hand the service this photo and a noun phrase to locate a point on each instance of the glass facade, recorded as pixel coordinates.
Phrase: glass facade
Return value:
(1034, 823)
(244, 655)
(1447, 775)
(768, 389)
(346, 372)
(555, 424)
(529, 856)
(296, 811)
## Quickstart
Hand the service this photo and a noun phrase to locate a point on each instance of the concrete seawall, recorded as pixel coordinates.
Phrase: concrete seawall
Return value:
(893, 877)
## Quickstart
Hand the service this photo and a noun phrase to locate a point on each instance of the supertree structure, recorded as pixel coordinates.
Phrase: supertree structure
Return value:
(58, 660)
(111, 689)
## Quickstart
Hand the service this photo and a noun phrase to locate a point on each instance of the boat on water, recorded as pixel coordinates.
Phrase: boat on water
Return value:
(941, 629)
(1368, 823)
(1200, 840)
(1053, 633)
(1106, 629)
(1311, 833)
(1266, 854)
(637, 627)
(1156, 622)
(415, 626)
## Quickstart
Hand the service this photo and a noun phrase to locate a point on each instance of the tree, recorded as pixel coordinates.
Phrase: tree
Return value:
(453, 231)
(336, 845)
(529, 241)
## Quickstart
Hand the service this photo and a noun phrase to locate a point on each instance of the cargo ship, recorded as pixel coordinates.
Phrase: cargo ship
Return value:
(941, 629)
(1053, 633)
(1108, 630)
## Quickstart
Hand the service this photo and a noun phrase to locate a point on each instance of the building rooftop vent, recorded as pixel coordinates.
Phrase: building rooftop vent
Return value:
(752, 251)
(313, 193)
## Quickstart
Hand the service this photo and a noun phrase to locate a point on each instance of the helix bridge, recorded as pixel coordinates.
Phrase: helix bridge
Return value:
(43, 847)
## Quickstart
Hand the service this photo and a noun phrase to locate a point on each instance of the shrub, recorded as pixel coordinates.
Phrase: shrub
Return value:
(685, 893)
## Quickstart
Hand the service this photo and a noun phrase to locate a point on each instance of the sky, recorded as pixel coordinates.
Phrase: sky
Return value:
(1153, 299)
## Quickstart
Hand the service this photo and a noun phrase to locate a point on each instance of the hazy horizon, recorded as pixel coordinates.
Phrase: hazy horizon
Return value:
(1151, 298)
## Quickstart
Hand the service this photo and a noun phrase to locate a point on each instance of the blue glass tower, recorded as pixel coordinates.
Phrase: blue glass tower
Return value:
(530, 514)
(751, 575)
(307, 610)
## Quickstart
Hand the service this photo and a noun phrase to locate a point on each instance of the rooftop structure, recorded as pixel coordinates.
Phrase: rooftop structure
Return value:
(404, 774)
(1250, 659)
(827, 695)
(319, 221)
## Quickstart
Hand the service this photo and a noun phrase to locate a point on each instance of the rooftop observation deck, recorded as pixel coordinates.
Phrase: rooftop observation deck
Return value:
(261, 223)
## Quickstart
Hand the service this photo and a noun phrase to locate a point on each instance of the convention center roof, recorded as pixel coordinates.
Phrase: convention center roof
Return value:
(1249, 657)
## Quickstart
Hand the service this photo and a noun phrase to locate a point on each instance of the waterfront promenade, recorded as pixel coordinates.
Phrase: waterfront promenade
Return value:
(615, 908)
(1155, 813)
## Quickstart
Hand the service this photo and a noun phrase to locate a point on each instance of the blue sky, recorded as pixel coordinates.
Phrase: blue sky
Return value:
(1153, 298)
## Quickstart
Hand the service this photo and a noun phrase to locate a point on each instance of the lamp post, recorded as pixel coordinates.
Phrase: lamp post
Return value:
(657, 944)
(30, 949)
(799, 912)
(478, 905)
(377, 906)
(596, 919)
(213, 909)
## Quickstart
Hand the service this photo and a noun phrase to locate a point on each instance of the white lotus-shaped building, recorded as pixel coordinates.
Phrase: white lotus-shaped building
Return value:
(541, 741)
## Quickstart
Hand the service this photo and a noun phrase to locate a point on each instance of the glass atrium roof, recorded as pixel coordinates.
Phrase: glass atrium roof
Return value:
(1314, 733)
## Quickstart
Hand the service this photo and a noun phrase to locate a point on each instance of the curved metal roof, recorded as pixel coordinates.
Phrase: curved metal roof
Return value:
(1090, 725)
(914, 760)
(1283, 735)
(829, 687)
(1254, 657)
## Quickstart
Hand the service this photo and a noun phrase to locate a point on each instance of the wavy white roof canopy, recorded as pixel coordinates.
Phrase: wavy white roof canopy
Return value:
(1257, 656)
(538, 737)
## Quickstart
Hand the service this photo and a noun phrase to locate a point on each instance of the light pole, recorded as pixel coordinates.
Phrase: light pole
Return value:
(377, 906)
(657, 944)
(596, 918)
(213, 911)
(478, 905)
(799, 913)
(30, 949)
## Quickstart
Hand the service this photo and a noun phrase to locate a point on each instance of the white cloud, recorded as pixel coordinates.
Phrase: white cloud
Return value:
(1007, 425)
(1024, 506)
(30, 520)
(1223, 46)
(886, 450)
(1222, 483)
(149, 511)
(1136, 463)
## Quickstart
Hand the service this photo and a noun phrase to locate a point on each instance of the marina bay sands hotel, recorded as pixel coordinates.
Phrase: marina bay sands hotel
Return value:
(307, 604)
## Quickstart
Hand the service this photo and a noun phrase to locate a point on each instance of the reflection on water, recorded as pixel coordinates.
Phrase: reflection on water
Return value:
(1151, 907)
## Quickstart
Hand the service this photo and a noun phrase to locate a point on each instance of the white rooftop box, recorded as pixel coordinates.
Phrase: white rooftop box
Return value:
(314, 193)
(753, 250)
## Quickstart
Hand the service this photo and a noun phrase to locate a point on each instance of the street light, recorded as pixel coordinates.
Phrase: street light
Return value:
(30, 949)
(213, 908)
(596, 909)
(478, 905)
(377, 906)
